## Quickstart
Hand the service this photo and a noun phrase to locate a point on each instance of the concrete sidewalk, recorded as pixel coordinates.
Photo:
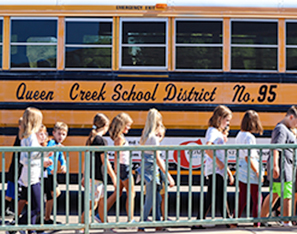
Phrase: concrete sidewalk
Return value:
(246, 228)
(219, 229)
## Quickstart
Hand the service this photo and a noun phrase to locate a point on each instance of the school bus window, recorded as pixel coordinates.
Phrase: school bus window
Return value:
(199, 44)
(254, 45)
(33, 43)
(143, 43)
(88, 43)
(291, 46)
(1, 40)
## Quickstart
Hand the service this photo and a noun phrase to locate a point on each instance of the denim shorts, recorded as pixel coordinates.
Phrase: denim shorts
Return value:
(124, 172)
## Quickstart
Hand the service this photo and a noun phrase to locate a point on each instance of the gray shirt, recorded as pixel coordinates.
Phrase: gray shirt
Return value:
(283, 135)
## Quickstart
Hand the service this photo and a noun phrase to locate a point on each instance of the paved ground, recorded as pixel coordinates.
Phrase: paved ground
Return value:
(219, 229)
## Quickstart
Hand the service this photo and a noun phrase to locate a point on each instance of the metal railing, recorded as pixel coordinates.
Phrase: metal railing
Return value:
(177, 219)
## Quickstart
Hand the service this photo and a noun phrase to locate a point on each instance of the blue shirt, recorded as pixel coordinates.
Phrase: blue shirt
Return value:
(59, 156)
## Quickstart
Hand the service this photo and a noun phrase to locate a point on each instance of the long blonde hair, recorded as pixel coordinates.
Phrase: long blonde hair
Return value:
(32, 120)
(100, 121)
(153, 120)
(118, 125)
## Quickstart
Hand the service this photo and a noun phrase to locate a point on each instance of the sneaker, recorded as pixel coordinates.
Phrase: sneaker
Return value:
(132, 221)
(81, 231)
(289, 224)
(97, 218)
(9, 212)
(50, 221)
(140, 229)
(10, 232)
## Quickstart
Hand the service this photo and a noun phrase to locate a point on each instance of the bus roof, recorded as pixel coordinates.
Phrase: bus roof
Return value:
(198, 3)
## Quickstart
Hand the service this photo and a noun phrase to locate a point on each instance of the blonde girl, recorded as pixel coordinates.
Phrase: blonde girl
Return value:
(250, 124)
(119, 126)
(32, 119)
(149, 137)
(100, 127)
(219, 120)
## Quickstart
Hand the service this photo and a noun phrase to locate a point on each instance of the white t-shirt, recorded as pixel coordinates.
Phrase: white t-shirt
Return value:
(125, 155)
(35, 162)
(151, 140)
(216, 137)
(247, 138)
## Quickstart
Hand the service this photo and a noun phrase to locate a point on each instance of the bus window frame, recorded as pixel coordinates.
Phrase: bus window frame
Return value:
(254, 45)
(288, 46)
(1, 43)
(198, 45)
(35, 43)
(151, 68)
(90, 19)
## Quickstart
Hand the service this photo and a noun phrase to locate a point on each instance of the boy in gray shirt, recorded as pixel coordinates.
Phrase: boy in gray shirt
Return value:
(282, 134)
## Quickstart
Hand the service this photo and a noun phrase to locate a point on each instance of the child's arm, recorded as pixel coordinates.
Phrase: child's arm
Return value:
(275, 164)
(254, 167)
(109, 170)
(160, 163)
(62, 161)
(231, 178)
(219, 163)
(117, 142)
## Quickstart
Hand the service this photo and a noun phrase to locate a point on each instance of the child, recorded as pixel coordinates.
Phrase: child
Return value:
(282, 134)
(250, 124)
(219, 120)
(59, 133)
(148, 137)
(120, 125)
(160, 134)
(32, 119)
(100, 127)
(9, 195)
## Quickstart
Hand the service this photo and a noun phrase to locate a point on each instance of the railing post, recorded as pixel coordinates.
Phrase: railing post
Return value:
(87, 190)
(3, 188)
(202, 185)
(190, 186)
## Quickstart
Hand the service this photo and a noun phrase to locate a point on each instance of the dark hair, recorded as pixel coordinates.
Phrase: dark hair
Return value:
(219, 113)
(251, 122)
(292, 111)
(100, 120)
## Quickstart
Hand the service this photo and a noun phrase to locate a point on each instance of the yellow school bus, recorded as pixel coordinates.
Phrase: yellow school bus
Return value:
(73, 59)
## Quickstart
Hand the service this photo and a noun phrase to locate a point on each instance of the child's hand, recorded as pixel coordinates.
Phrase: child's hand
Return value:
(231, 179)
(47, 163)
(275, 172)
(63, 169)
(171, 182)
(83, 181)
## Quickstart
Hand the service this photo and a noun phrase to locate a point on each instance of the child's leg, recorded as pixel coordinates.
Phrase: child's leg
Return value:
(90, 211)
(158, 205)
(148, 203)
(101, 209)
(35, 205)
(208, 199)
(130, 196)
(242, 197)
(219, 196)
(255, 196)
(163, 206)
(49, 204)
(112, 198)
